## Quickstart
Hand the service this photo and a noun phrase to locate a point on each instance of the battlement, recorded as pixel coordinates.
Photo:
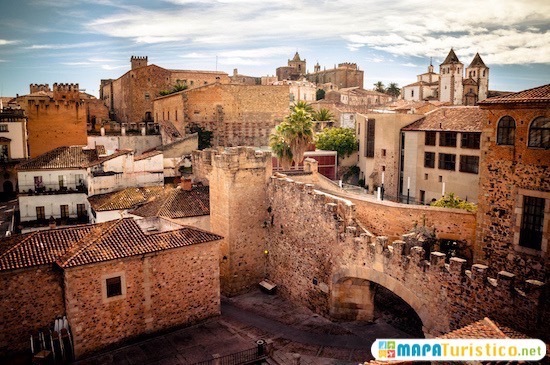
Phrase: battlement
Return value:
(137, 61)
(348, 65)
(61, 87)
(39, 87)
(63, 91)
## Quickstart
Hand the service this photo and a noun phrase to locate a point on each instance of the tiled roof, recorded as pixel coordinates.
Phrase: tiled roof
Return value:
(148, 154)
(451, 58)
(455, 118)
(178, 203)
(169, 128)
(61, 158)
(539, 94)
(100, 149)
(124, 199)
(82, 245)
(102, 159)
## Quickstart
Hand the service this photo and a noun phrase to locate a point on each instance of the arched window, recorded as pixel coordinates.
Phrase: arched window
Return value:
(506, 131)
(539, 133)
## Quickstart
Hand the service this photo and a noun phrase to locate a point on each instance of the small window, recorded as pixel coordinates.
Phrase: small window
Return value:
(447, 161)
(81, 211)
(425, 176)
(64, 211)
(532, 222)
(440, 178)
(447, 139)
(114, 286)
(429, 159)
(539, 133)
(62, 181)
(469, 164)
(40, 213)
(38, 184)
(3, 127)
(470, 140)
(429, 139)
(147, 96)
(506, 131)
(383, 152)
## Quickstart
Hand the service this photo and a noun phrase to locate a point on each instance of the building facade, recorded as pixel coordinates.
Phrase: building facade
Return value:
(514, 202)
(426, 87)
(13, 147)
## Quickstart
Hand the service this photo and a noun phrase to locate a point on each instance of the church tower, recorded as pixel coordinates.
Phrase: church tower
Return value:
(478, 72)
(450, 81)
(298, 64)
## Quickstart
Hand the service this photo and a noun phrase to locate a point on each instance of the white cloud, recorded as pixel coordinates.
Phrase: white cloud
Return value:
(109, 67)
(5, 42)
(196, 55)
(76, 63)
(64, 46)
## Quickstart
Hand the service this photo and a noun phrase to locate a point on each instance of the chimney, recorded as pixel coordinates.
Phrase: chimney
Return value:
(186, 184)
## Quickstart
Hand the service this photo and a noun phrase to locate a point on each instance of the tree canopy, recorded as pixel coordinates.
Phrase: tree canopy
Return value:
(342, 140)
(379, 86)
(320, 94)
(322, 115)
(177, 87)
(302, 105)
(452, 201)
(393, 90)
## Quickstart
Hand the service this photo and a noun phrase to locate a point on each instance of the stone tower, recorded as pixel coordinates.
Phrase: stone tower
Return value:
(137, 62)
(298, 64)
(478, 72)
(238, 211)
(450, 80)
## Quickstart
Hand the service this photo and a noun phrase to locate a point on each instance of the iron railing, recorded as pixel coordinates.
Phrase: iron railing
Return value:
(244, 357)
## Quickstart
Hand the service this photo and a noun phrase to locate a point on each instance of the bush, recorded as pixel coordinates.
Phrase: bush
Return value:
(452, 201)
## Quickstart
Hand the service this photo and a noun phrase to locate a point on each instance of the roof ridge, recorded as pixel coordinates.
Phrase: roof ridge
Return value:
(493, 325)
(79, 247)
(18, 244)
(172, 194)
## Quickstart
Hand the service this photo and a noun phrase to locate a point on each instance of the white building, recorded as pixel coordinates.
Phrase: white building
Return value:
(426, 87)
(302, 90)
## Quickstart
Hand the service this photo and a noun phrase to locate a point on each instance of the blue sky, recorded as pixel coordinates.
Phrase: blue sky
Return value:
(47, 41)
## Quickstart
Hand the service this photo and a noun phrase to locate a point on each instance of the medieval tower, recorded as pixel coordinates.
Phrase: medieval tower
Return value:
(450, 81)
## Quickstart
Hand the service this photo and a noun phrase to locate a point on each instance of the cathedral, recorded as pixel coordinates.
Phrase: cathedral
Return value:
(454, 84)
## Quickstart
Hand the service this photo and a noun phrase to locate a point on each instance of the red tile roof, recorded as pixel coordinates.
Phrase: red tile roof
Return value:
(539, 94)
(66, 157)
(455, 118)
(124, 199)
(82, 245)
(178, 203)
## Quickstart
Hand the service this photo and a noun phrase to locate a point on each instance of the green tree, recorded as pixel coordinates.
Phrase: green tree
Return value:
(379, 86)
(177, 87)
(297, 132)
(302, 105)
(280, 148)
(320, 94)
(452, 201)
(393, 90)
(322, 115)
(205, 137)
(341, 140)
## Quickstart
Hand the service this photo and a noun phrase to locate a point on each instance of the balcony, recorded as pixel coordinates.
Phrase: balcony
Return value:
(42, 190)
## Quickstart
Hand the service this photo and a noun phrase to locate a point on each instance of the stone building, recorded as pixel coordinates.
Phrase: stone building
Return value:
(345, 75)
(359, 98)
(59, 116)
(300, 90)
(130, 97)
(114, 281)
(295, 70)
(379, 150)
(237, 115)
(513, 223)
(441, 154)
(237, 78)
(454, 83)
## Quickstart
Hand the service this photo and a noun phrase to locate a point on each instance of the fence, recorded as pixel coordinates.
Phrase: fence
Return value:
(244, 357)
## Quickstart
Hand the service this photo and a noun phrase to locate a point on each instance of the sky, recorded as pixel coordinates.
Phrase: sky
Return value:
(72, 41)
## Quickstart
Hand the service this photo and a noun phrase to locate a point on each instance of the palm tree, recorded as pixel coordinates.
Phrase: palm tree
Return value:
(323, 115)
(297, 130)
(393, 90)
(302, 105)
(280, 148)
(379, 86)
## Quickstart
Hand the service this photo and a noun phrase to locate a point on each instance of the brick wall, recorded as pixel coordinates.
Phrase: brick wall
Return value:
(30, 300)
(159, 295)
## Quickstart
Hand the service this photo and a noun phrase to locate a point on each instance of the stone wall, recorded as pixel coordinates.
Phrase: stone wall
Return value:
(237, 179)
(315, 246)
(238, 115)
(158, 295)
(30, 299)
(506, 174)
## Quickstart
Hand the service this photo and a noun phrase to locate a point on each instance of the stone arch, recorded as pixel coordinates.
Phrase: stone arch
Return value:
(430, 325)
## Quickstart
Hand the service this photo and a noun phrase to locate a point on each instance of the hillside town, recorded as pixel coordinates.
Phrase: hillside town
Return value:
(283, 219)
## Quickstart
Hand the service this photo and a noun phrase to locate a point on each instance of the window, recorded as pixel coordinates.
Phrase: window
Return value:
(429, 159)
(412, 93)
(81, 211)
(532, 222)
(425, 176)
(147, 96)
(469, 164)
(40, 213)
(429, 139)
(4, 152)
(447, 161)
(114, 286)
(64, 211)
(3, 127)
(383, 152)
(506, 131)
(79, 179)
(38, 183)
(369, 138)
(470, 140)
(539, 133)
(447, 139)
(62, 181)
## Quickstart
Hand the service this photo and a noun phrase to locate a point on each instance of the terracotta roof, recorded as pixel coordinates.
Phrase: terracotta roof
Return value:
(178, 203)
(421, 83)
(539, 94)
(106, 158)
(124, 199)
(61, 158)
(477, 61)
(81, 245)
(169, 128)
(453, 118)
(147, 154)
(451, 58)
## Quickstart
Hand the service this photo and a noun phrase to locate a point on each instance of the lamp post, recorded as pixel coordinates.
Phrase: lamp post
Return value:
(408, 189)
